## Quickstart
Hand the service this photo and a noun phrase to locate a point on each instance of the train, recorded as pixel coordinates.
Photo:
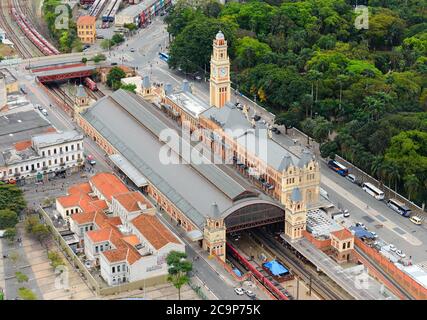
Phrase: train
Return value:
(85, 2)
(31, 33)
(111, 11)
(96, 7)
(90, 84)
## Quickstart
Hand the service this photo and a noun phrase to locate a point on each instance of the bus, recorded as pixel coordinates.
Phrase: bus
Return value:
(373, 191)
(399, 207)
(164, 56)
(338, 167)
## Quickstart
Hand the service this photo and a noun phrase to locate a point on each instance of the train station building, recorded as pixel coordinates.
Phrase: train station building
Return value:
(249, 180)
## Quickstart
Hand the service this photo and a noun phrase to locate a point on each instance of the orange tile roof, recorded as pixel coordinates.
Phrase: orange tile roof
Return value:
(86, 20)
(342, 234)
(100, 235)
(78, 196)
(83, 218)
(116, 255)
(108, 184)
(132, 240)
(22, 145)
(154, 231)
(130, 200)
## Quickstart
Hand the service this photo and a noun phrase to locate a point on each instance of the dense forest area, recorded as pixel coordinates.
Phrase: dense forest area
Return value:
(361, 93)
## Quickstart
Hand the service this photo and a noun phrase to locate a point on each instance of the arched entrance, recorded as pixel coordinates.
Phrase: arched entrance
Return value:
(251, 214)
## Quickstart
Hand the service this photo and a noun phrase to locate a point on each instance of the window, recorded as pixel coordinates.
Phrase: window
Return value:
(118, 268)
(72, 147)
(113, 269)
(26, 168)
(66, 148)
(48, 152)
(56, 161)
(43, 154)
(60, 149)
(96, 249)
(72, 157)
(54, 150)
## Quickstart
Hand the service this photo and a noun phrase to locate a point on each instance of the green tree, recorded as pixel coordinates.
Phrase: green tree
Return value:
(129, 87)
(288, 118)
(130, 26)
(55, 259)
(412, 185)
(178, 268)
(10, 234)
(41, 232)
(8, 219)
(26, 294)
(376, 166)
(21, 277)
(98, 58)
(12, 198)
(106, 44)
(114, 77)
(118, 38)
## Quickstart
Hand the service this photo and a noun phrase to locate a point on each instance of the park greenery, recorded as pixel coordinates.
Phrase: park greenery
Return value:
(361, 93)
(21, 277)
(107, 44)
(55, 259)
(33, 226)
(66, 37)
(114, 77)
(178, 269)
(26, 294)
(11, 203)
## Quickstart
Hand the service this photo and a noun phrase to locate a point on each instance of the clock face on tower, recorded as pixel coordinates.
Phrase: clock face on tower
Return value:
(223, 72)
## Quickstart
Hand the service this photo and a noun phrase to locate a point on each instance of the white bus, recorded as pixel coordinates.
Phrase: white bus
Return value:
(373, 191)
(399, 207)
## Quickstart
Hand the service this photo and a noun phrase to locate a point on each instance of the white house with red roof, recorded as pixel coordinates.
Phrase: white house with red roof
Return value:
(118, 229)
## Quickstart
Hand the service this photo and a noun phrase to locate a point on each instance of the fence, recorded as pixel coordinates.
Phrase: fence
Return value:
(414, 288)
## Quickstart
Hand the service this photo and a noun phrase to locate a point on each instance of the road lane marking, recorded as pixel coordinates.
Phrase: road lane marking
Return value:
(372, 212)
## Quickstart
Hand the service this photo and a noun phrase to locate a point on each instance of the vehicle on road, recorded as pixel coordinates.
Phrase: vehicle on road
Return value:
(250, 294)
(23, 90)
(165, 57)
(114, 63)
(399, 207)
(351, 177)
(338, 167)
(239, 291)
(39, 107)
(373, 191)
(132, 50)
(374, 234)
(278, 131)
(392, 248)
(417, 220)
(91, 159)
(100, 36)
(346, 214)
(400, 253)
(44, 112)
(324, 193)
(361, 225)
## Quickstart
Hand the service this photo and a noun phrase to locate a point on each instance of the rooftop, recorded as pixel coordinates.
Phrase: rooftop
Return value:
(72, 69)
(154, 231)
(21, 126)
(192, 188)
(134, 10)
(133, 201)
(342, 234)
(189, 102)
(51, 139)
(108, 184)
(86, 20)
(9, 77)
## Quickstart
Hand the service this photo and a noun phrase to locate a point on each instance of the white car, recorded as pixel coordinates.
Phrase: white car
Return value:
(250, 294)
(346, 213)
(400, 253)
(374, 234)
(239, 291)
(44, 112)
(392, 248)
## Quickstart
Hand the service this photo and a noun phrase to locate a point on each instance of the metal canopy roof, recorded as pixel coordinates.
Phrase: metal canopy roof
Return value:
(130, 171)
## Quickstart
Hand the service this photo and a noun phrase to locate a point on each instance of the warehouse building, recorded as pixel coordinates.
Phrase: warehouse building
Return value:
(141, 13)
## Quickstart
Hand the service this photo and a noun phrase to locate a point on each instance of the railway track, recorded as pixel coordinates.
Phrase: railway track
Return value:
(62, 95)
(12, 32)
(324, 289)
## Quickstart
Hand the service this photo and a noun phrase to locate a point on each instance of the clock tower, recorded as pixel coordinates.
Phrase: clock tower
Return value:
(220, 86)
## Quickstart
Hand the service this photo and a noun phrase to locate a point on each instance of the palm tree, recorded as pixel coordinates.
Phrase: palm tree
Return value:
(314, 76)
(412, 184)
(394, 175)
(376, 166)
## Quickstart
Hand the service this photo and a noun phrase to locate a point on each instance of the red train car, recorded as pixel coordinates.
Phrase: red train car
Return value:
(90, 84)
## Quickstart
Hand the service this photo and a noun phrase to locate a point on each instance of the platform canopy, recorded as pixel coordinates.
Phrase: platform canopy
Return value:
(129, 170)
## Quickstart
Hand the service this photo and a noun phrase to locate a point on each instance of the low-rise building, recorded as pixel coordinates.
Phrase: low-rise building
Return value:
(118, 229)
(86, 29)
(44, 155)
(11, 83)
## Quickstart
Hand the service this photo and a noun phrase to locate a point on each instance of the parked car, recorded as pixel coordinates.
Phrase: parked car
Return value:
(44, 112)
(392, 248)
(374, 234)
(351, 177)
(250, 294)
(256, 117)
(239, 291)
(100, 36)
(400, 253)
(277, 131)
(132, 50)
(415, 219)
(346, 214)
(39, 107)
(361, 225)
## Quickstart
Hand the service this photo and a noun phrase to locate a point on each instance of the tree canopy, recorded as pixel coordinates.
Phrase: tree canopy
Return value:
(306, 59)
